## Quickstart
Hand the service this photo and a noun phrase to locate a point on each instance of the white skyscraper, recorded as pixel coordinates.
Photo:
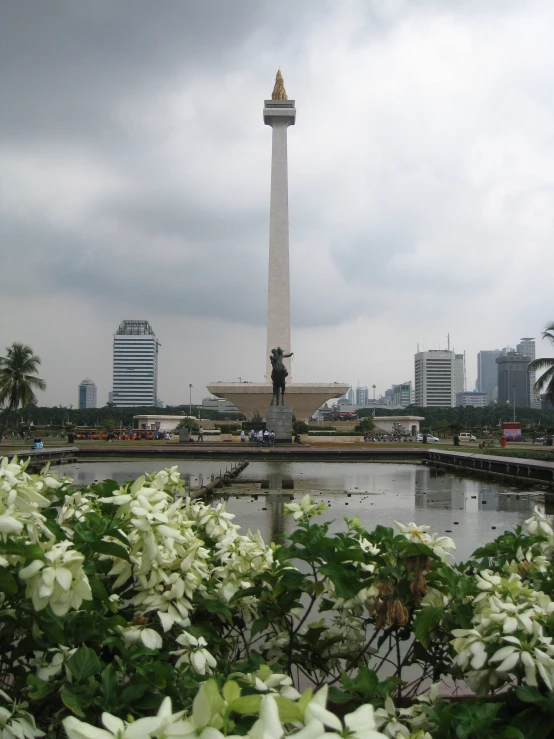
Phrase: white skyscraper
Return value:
(135, 365)
(87, 394)
(435, 379)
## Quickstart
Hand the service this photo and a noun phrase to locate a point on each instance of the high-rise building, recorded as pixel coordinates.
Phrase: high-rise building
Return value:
(513, 379)
(435, 379)
(460, 370)
(487, 373)
(402, 395)
(362, 395)
(527, 346)
(87, 394)
(135, 365)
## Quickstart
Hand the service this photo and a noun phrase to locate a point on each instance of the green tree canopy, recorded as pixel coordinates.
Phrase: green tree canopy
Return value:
(18, 380)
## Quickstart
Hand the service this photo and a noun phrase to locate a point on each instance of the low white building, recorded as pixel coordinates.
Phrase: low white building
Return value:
(157, 423)
(402, 425)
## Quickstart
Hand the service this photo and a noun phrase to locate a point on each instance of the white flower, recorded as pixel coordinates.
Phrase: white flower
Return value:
(195, 653)
(306, 508)
(538, 524)
(148, 637)
(115, 727)
(59, 580)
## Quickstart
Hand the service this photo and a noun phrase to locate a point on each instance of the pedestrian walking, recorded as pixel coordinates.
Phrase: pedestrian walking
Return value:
(272, 438)
(252, 436)
(260, 438)
(242, 436)
(266, 438)
(200, 434)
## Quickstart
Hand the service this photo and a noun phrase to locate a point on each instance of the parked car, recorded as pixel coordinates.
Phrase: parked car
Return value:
(430, 437)
(540, 439)
(466, 436)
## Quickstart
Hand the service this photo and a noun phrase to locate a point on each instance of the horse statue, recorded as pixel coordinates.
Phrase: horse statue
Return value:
(278, 374)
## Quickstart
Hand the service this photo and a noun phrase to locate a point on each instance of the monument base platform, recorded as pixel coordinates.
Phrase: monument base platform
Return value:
(278, 418)
(253, 398)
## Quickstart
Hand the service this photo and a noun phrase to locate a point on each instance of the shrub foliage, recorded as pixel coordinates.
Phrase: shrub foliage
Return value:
(137, 610)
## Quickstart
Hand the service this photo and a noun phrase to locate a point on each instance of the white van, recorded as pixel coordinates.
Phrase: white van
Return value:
(466, 436)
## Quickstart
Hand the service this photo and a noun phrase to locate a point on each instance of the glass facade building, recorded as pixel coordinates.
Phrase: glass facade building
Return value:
(87, 394)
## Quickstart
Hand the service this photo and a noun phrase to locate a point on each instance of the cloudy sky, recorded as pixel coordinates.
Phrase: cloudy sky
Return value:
(134, 183)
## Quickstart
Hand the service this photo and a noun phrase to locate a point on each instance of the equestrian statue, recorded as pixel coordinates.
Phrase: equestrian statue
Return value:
(278, 374)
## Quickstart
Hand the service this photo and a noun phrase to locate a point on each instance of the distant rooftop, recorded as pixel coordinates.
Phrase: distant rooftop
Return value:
(87, 381)
(135, 328)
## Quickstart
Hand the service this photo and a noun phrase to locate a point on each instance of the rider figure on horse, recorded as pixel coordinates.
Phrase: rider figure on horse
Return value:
(278, 374)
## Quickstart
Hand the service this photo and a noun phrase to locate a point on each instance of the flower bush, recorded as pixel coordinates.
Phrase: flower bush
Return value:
(131, 611)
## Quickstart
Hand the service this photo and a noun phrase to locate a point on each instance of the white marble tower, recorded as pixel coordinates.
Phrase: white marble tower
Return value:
(279, 113)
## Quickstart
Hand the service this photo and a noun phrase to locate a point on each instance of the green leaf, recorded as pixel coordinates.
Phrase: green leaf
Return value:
(8, 583)
(412, 549)
(99, 589)
(511, 732)
(231, 691)
(216, 606)
(338, 696)
(248, 704)
(112, 549)
(71, 701)
(34, 551)
(133, 691)
(109, 682)
(529, 694)
(258, 625)
(425, 622)
(347, 583)
(84, 663)
(39, 688)
(289, 711)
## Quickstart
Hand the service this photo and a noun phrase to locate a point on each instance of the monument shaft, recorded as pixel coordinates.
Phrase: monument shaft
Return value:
(279, 114)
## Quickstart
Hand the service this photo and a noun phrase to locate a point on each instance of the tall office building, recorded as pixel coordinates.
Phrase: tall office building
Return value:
(527, 346)
(362, 395)
(402, 395)
(513, 379)
(487, 373)
(435, 379)
(460, 370)
(87, 394)
(135, 365)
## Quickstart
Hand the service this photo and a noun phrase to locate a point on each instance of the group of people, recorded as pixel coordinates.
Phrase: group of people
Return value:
(260, 438)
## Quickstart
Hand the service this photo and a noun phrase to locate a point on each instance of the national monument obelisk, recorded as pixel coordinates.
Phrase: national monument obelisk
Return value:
(253, 398)
(279, 113)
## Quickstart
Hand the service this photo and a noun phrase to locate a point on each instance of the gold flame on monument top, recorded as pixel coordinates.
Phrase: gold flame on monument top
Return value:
(279, 92)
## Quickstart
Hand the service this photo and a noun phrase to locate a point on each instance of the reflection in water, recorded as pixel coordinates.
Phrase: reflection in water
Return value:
(471, 510)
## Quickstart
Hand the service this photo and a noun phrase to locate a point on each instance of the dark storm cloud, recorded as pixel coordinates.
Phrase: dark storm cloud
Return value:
(134, 172)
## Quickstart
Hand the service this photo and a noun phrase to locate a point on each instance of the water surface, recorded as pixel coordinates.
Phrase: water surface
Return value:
(470, 510)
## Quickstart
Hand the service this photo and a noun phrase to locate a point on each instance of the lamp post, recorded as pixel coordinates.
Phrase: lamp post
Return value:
(514, 403)
(190, 399)
(374, 386)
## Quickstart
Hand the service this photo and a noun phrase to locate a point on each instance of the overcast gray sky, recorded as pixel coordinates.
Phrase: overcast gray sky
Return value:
(134, 183)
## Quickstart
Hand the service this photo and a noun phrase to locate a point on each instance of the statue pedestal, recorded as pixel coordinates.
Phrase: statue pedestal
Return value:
(278, 418)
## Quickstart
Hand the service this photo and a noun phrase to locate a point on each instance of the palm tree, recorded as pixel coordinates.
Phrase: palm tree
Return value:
(545, 363)
(18, 379)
